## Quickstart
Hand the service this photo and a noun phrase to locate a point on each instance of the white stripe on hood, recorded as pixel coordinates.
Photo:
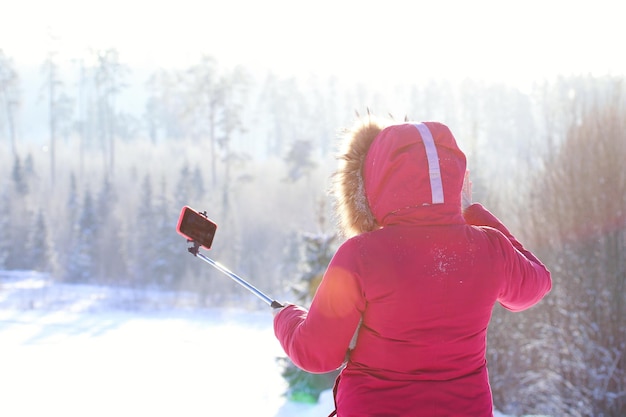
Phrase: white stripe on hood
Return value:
(434, 170)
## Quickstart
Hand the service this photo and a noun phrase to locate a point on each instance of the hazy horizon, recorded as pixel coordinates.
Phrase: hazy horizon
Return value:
(362, 41)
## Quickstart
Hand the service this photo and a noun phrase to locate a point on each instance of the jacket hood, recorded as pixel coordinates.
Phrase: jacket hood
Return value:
(409, 173)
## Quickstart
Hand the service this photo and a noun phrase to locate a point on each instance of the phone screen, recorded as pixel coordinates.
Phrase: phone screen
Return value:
(196, 227)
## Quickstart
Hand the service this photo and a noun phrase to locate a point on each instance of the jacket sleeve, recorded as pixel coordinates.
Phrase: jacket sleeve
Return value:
(317, 339)
(526, 279)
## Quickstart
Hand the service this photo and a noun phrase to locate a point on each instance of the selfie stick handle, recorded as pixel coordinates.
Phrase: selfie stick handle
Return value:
(241, 281)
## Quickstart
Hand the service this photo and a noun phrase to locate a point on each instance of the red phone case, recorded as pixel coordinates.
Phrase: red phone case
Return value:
(183, 212)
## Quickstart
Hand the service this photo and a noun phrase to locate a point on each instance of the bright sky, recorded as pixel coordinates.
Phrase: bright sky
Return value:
(393, 40)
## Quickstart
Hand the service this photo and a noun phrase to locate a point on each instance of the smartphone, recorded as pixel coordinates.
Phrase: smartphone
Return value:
(196, 227)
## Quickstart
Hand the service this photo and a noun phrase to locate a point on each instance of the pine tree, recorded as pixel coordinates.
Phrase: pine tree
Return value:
(39, 249)
(143, 236)
(157, 248)
(80, 266)
(64, 239)
(5, 223)
(300, 160)
(110, 241)
(19, 213)
(184, 187)
(316, 252)
(169, 264)
(19, 177)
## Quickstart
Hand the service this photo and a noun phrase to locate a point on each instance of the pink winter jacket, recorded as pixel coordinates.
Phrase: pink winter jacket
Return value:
(420, 289)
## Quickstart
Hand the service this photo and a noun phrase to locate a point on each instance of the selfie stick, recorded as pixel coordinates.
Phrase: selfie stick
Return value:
(195, 250)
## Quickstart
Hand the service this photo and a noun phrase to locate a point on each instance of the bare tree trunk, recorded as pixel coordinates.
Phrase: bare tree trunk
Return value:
(9, 95)
(81, 118)
(11, 123)
(52, 122)
(213, 141)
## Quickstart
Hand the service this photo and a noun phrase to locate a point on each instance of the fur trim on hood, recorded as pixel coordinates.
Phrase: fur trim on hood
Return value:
(351, 208)
(390, 173)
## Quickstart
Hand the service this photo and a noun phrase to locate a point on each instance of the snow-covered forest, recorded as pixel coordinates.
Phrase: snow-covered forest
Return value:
(96, 198)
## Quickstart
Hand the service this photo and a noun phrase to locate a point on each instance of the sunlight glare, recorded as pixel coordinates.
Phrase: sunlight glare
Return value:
(361, 41)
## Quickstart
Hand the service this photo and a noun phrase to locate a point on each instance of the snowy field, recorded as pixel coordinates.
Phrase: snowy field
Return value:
(91, 351)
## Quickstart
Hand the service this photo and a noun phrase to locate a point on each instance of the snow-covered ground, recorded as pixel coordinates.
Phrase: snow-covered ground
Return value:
(69, 350)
